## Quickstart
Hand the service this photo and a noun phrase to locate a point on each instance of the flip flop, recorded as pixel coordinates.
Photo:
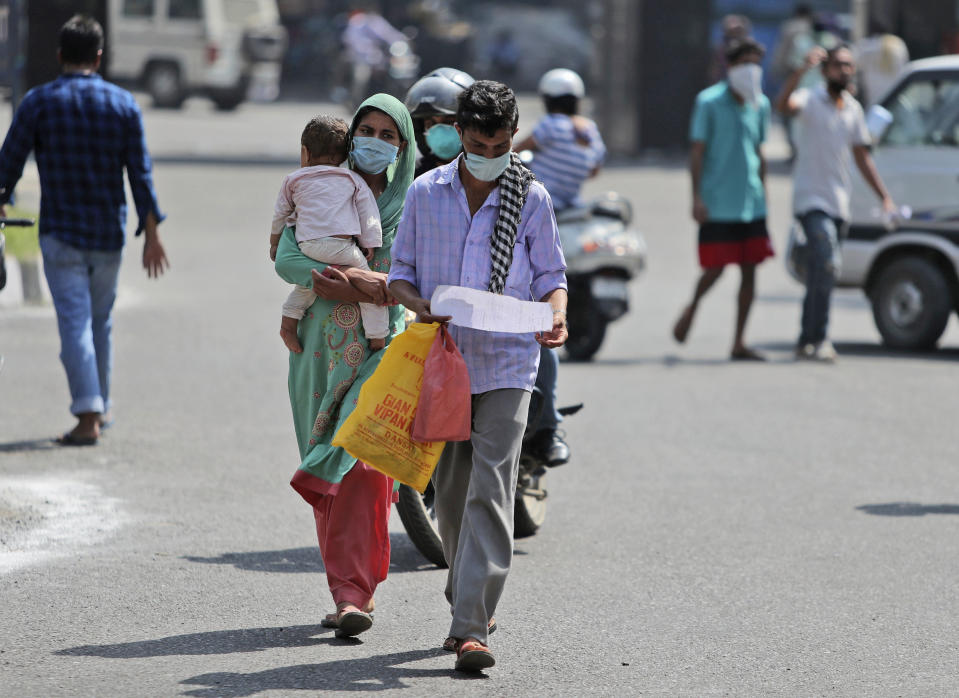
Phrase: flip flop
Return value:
(353, 623)
(473, 656)
(69, 439)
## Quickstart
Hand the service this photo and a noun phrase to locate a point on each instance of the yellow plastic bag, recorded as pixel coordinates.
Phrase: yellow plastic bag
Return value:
(378, 431)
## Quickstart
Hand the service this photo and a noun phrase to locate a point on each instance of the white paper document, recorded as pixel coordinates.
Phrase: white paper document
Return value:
(491, 312)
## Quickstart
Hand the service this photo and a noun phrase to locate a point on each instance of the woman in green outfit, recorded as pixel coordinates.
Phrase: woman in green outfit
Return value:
(351, 501)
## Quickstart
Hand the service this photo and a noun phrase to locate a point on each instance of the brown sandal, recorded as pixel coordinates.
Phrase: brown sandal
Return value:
(473, 655)
(451, 644)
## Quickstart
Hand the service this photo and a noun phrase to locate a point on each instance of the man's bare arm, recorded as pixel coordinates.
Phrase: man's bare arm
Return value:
(785, 103)
(409, 296)
(696, 154)
(869, 172)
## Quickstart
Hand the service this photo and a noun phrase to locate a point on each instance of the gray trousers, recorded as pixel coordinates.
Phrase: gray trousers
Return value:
(475, 483)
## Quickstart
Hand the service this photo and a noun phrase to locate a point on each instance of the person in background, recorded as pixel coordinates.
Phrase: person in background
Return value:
(729, 125)
(567, 146)
(880, 58)
(732, 28)
(366, 39)
(796, 37)
(432, 102)
(568, 150)
(503, 55)
(795, 31)
(832, 132)
(84, 133)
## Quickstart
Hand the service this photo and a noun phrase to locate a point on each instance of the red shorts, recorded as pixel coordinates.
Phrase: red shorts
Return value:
(733, 242)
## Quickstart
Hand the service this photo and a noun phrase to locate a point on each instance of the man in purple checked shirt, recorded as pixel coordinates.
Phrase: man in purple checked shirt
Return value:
(482, 222)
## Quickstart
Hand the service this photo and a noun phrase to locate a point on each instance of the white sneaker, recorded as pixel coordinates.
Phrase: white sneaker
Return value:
(805, 352)
(826, 352)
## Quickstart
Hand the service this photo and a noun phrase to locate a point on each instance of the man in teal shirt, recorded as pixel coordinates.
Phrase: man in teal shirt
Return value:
(728, 127)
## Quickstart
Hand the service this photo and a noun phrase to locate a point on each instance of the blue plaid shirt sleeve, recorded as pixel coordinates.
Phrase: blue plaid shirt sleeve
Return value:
(140, 169)
(16, 148)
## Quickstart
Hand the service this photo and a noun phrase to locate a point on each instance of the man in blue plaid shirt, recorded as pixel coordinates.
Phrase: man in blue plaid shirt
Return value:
(84, 133)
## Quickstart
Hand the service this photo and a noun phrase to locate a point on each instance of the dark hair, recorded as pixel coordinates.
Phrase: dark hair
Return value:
(487, 106)
(326, 135)
(831, 53)
(81, 40)
(737, 48)
(564, 104)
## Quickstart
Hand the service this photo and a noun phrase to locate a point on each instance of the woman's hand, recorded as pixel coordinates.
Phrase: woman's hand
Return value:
(334, 285)
(371, 284)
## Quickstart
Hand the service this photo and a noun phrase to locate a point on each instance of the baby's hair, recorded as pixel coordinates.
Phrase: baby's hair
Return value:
(326, 135)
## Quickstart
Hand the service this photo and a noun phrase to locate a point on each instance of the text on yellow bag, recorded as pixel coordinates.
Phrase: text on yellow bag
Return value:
(378, 431)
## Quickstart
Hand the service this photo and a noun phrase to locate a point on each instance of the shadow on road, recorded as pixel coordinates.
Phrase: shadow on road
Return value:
(29, 445)
(866, 350)
(404, 557)
(364, 674)
(908, 509)
(216, 642)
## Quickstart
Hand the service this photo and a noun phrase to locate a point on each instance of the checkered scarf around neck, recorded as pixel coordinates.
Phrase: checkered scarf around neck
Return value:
(514, 187)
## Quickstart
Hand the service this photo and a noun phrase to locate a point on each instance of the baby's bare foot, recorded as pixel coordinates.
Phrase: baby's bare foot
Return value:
(377, 344)
(288, 327)
(291, 341)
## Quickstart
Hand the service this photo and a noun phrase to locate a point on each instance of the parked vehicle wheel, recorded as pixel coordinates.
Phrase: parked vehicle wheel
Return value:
(164, 85)
(419, 519)
(911, 303)
(529, 513)
(228, 100)
(587, 329)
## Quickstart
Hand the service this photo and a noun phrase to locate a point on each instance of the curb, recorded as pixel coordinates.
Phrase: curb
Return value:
(25, 283)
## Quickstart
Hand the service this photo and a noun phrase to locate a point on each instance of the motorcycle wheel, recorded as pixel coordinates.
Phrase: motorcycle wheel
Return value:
(419, 519)
(587, 329)
(530, 510)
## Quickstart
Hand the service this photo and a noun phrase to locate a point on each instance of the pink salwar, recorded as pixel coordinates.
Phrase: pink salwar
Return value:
(352, 526)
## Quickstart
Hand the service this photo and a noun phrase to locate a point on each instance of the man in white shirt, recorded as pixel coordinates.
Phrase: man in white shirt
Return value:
(832, 133)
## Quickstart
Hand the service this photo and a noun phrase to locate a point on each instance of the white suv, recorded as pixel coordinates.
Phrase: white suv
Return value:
(910, 271)
(224, 49)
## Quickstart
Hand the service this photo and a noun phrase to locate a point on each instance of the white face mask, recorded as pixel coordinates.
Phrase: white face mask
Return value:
(746, 80)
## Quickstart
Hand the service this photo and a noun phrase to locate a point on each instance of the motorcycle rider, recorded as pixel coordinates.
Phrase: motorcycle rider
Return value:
(569, 150)
(432, 102)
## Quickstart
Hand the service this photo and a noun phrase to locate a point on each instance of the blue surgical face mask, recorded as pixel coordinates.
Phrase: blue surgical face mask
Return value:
(486, 169)
(444, 141)
(372, 155)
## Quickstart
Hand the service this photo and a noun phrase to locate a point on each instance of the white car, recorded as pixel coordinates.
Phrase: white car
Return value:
(225, 49)
(910, 268)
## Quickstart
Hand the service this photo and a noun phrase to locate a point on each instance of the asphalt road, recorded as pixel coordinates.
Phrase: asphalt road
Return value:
(724, 528)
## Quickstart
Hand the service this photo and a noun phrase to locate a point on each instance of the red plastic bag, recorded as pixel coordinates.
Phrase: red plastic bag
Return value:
(444, 412)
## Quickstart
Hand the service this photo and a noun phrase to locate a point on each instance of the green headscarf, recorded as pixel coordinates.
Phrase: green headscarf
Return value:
(400, 173)
(325, 380)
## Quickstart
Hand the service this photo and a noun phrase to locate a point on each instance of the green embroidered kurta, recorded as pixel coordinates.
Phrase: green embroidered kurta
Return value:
(325, 380)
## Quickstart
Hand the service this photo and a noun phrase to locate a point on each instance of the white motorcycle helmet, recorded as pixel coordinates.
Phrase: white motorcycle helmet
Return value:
(562, 81)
